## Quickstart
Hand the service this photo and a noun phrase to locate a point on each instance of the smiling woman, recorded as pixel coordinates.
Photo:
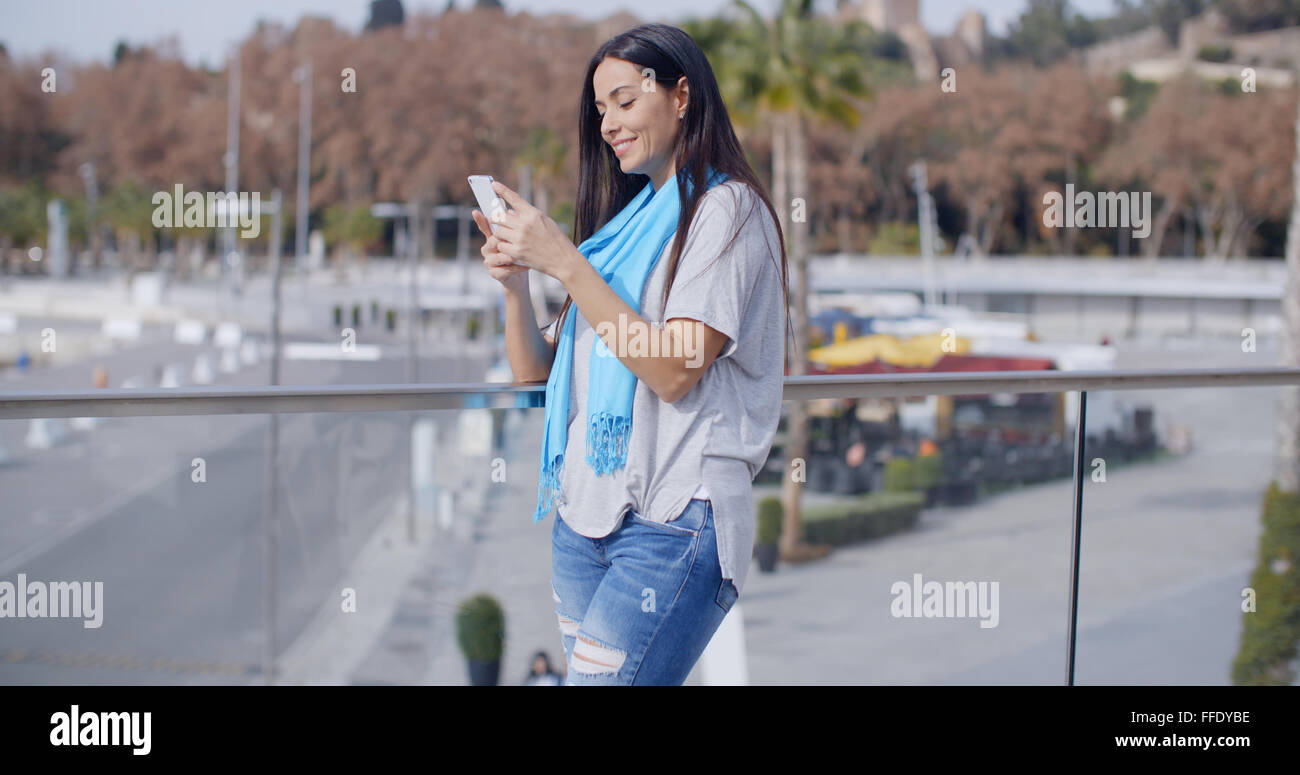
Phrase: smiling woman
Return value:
(678, 241)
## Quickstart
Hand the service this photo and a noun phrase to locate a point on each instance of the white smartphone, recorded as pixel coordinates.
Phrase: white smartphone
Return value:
(488, 201)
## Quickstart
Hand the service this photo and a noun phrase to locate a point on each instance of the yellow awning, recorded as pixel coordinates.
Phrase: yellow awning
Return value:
(917, 351)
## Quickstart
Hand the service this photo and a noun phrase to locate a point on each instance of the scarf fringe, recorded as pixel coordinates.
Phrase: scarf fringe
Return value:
(549, 487)
(607, 440)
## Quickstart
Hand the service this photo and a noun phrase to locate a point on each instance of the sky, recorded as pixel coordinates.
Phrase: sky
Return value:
(87, 30)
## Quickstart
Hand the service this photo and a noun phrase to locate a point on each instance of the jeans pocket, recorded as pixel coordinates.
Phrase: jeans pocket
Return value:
(727, 595)
(662, 527)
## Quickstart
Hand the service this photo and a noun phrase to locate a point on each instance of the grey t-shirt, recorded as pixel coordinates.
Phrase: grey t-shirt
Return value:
(720, 433)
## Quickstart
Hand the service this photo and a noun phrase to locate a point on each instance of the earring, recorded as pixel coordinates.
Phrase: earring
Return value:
(682, 114)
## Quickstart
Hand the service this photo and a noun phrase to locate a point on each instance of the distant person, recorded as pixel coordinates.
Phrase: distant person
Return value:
(680, 247)
(541, 673)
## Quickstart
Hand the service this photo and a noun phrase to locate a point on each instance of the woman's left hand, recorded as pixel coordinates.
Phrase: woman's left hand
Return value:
(531, 237)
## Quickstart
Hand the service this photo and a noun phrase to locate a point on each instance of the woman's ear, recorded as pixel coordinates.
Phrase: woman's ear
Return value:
(683, 92)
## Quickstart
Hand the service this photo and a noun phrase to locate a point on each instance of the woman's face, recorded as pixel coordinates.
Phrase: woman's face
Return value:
(639, 122)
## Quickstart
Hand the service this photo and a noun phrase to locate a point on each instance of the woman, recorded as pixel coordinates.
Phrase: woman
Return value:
(541, 673)
(666, 423)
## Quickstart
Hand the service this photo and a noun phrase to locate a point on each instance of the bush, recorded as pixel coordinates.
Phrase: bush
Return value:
(895, 238)
(898, 475)
(1213, 53)
(770, 514)
(480, 628)
(910, 474)
(869, 516)
(927, 470)
(1270, 633)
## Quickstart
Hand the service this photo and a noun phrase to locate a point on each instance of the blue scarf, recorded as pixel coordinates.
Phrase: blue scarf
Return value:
(623, 252)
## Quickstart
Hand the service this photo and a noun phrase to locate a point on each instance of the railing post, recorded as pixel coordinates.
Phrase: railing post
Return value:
(1080, 435)
(271, 528)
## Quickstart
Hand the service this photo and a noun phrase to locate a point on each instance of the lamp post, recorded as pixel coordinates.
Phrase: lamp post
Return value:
(271, 525)
(925, 219)
(87, 171)
(231, 160)
(302, 76)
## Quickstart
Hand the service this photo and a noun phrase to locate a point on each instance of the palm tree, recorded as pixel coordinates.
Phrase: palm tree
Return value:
(788, 73)
(543, 154)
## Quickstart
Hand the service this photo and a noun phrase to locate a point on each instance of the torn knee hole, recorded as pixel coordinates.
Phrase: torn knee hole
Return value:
(592, 658)
(568, 626)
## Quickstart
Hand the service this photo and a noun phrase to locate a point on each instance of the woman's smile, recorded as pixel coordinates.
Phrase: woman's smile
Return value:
(621, 145)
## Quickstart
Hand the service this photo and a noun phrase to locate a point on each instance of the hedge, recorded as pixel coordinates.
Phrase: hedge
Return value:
(904, 474)
(869, 516)
(1270, 633)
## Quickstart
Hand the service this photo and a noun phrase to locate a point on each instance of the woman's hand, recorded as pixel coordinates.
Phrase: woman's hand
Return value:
(498, 264)
(529, 236)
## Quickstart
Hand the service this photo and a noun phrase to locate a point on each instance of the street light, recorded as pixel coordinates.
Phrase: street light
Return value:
(231, 161)
(302, 76)
(87, 171)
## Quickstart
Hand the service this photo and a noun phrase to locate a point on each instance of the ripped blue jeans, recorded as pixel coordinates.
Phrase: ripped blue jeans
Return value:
(638, 606)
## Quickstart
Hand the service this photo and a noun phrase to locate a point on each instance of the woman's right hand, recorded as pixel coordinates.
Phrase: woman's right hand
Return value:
(499, 265)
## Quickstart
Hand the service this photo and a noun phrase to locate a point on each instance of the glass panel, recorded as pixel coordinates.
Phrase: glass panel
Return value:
(969, 589)
(1172, 508)
(164, 520)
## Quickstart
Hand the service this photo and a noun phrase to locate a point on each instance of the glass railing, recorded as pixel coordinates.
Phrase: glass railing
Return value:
(153, 549)
(1173, 492)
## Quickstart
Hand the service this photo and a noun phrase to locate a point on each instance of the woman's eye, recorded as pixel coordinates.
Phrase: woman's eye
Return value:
(621, 105)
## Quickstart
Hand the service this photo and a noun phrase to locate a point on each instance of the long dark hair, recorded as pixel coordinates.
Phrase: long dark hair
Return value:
(706, 140)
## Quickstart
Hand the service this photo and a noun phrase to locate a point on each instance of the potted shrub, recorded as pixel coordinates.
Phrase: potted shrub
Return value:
(338, 315)
(472, 326)
(770, 513)
(391, 319)
(480, 633)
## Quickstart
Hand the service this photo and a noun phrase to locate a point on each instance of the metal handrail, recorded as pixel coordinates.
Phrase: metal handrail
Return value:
(362, 398)
(107, 402)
